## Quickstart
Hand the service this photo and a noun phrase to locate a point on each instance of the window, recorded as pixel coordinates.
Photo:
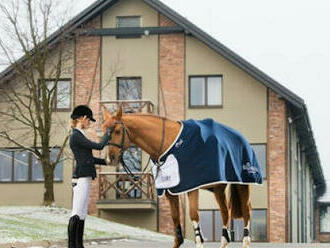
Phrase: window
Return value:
(260, 150)
(211, 225)
(324, 219)
(128, 22)
(133, 159)
(130, 88)
(23, 166)
(205, 91)
(62, 94)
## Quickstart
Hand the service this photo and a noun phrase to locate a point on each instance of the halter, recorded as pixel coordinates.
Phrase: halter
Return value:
(121, 145)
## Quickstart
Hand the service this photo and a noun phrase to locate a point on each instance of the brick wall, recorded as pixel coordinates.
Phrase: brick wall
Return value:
(171, 80)
(86, 87)
(276, 161)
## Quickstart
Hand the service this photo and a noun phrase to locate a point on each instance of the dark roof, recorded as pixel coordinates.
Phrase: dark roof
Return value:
(296, 103)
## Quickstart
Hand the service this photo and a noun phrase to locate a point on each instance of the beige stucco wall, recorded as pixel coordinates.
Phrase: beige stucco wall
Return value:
(244, 108)
(25, 193)
(132, 57)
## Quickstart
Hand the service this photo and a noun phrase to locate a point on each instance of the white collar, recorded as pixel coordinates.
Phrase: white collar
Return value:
(80, 130)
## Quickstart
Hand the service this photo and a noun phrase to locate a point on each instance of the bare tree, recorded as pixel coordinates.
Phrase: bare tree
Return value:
(27, 97)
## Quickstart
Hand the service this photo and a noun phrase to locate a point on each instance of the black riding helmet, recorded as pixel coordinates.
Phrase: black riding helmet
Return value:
(82, 110)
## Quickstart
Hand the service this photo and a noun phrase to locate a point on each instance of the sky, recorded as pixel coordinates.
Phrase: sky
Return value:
(289, 40)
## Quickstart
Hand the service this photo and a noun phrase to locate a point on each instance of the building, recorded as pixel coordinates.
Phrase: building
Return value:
(322, 217)
(143, 51)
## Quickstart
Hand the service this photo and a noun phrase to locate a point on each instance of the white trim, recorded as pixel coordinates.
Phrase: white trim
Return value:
(169, 148)
(208, 184)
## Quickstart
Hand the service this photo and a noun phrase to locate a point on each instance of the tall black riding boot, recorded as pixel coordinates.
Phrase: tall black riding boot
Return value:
(72, 231)
(80, 233)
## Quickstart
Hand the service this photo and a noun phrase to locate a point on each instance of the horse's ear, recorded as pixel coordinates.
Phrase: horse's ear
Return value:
(119, 113)
(106, 113)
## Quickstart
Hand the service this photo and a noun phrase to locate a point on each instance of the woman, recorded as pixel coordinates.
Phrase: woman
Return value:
(84, 171)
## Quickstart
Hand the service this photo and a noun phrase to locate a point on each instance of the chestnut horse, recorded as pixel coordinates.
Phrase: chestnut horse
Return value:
(154, 135)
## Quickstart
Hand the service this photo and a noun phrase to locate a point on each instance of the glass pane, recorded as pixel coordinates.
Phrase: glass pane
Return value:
(130, 89)
(260, 151)
(37, 174)
(128, 21)
(133, 158)
(238, 228)
(324, 218)
(58, 172)
(259, 225)
(5, 165)
(206, 221)
(63, 94)
(214, 91)
(217, 225)
(21, 166)
(197, 91)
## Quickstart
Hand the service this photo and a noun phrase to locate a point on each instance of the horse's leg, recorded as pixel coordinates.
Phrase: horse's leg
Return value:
(194, 217)
(220, 196)
(244, 192)
(175, 212)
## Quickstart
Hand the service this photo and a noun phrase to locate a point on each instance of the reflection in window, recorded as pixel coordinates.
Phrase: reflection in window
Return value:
(258, 225)
(206, 221)
(325, 219)
(5, 165)
(130, 89)
(63, 98)
(205, 91)
(260, 151)
(211, 224)
(128, 21)
(21, 166)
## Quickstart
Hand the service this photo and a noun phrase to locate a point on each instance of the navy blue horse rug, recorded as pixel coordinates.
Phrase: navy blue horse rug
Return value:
(205, 153)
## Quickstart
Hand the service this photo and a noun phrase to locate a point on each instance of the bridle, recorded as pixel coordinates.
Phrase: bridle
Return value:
(121, 146)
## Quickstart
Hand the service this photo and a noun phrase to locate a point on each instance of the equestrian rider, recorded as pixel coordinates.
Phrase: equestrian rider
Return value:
(84, 171)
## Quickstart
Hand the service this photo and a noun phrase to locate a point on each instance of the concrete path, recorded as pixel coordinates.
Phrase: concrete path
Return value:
(125, 243)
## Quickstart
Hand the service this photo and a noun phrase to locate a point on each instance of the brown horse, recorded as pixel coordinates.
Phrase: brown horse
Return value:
(154, 135)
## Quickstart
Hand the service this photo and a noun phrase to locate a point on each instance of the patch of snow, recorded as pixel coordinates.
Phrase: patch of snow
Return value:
(26, 224)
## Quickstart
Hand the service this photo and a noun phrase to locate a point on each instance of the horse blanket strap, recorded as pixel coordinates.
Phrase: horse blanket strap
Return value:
(198, 233)
(225, 233)
(209, 152)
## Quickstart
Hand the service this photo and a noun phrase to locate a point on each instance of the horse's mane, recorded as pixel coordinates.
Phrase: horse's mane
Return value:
(146, 115)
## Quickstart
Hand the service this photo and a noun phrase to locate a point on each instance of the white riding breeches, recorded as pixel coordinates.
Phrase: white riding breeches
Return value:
(81, 197)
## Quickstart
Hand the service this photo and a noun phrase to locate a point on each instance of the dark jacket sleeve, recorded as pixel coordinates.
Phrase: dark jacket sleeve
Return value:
(100, 161)
(81, 140)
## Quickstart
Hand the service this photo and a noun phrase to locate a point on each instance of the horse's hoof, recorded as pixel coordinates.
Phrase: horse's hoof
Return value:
(246, 242)
(224, 242)
(199, 245)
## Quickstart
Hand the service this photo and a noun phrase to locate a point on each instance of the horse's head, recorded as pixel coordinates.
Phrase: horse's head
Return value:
(119, 140)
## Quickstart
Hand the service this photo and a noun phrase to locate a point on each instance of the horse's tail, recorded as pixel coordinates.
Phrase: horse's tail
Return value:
(236, 200)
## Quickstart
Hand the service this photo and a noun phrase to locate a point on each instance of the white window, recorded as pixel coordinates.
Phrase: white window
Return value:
(128, 21)
(205, 91)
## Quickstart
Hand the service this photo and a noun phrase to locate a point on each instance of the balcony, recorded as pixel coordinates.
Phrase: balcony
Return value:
(130, 106)
(120, 191)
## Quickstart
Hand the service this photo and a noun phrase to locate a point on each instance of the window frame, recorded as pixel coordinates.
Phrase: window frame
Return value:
(123, 36)
(265, 144)
(127, 78)
(205, 105)
(55, 108)
(29, 180)
(232, 224)
(319, 210)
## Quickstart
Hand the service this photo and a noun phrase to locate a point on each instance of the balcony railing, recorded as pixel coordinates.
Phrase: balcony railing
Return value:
(121, 188)
(130, 106)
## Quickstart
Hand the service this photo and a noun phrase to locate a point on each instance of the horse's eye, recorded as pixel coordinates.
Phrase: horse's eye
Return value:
(117, 132)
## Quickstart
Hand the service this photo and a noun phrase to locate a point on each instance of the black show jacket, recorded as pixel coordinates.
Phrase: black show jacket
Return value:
(82, 151)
